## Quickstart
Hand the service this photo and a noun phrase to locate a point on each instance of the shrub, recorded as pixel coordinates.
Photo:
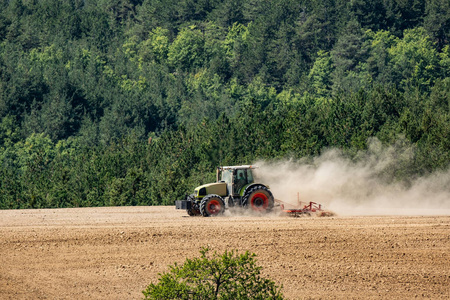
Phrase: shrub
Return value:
(227, 276)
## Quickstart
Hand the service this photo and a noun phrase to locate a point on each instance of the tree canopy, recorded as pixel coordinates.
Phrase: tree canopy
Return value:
(134, 102)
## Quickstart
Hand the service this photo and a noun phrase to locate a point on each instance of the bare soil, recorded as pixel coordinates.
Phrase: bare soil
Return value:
(115, 252)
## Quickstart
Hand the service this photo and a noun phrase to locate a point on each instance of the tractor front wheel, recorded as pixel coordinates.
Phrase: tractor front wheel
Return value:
(259, 199)
(212, 205)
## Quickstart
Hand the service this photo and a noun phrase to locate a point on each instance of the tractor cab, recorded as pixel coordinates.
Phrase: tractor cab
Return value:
(236, 178)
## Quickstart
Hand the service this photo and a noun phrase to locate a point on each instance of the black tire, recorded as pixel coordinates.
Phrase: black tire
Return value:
(212, 205)
(258, 198)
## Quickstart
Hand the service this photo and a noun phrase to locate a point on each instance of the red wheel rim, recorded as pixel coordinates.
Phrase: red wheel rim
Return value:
(213, 207)
(259, 202)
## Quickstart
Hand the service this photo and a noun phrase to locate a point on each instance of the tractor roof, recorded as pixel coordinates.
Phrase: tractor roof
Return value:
(238, 167)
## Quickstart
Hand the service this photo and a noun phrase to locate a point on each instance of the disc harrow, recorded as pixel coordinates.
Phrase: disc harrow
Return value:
(302, 208)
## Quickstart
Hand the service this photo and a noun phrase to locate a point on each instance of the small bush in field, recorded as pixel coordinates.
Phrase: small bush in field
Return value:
(213, 276)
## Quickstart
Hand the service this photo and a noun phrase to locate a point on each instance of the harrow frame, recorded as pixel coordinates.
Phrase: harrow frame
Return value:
(301, 208)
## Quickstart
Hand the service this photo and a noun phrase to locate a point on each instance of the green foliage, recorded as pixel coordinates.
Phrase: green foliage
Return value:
(445, 61)
(84, 84)
(414, 60)
(320, 74)
(155, 47)
(187, 50)
(227, 276)
(437, 21)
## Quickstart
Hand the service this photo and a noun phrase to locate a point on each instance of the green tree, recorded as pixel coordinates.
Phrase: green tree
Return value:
(228, 12)
(349, 56)
(320, 74)
(187, 50)
(437, 21)
(370, 13)
(34, 159)
(227, 276)
(378, 62)
(414, 60)
(156, 46)
(445, 61)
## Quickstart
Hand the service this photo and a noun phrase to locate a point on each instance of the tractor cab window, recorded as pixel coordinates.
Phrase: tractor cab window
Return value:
(250, 176)
(240, 177)
(226, 176)
(240, 180)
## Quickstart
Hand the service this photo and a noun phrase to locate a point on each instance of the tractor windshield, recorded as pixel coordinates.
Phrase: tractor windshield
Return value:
(226, 176)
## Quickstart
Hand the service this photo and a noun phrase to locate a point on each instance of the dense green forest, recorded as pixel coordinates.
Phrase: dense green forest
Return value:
(135, 102)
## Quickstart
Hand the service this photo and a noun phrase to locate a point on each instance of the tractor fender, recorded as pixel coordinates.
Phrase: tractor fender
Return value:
(249, 186)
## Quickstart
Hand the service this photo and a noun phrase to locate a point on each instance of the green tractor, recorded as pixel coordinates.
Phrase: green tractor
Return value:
(234, 186)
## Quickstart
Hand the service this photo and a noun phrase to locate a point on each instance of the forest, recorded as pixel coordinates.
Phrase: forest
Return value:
(135, 102)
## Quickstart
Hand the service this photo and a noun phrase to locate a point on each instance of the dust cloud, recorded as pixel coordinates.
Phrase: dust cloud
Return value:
(364, 185)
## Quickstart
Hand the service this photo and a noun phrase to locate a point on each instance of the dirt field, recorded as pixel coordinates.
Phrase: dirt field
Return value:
(113, 253)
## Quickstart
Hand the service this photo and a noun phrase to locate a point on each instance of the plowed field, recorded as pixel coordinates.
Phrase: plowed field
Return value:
(113, 253)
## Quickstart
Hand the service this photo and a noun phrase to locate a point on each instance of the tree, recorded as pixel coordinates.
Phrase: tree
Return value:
(371, 14)
(186, 51)
(414, 60)
(378, 62)
(320, 74)
(437, 21)
(348, 55)
(445, 61)
(226, 276)
(227, 13)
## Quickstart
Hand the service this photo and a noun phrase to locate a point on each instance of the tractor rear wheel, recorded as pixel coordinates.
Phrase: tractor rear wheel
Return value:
(212, 205)
(258, 198)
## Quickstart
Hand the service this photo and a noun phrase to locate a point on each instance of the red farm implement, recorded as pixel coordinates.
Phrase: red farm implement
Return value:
(302, 208)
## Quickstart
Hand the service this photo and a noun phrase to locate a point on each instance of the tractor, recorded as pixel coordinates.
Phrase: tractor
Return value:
(234, 186)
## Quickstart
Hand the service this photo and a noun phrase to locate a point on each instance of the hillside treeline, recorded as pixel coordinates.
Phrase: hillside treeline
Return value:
(131, 102)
